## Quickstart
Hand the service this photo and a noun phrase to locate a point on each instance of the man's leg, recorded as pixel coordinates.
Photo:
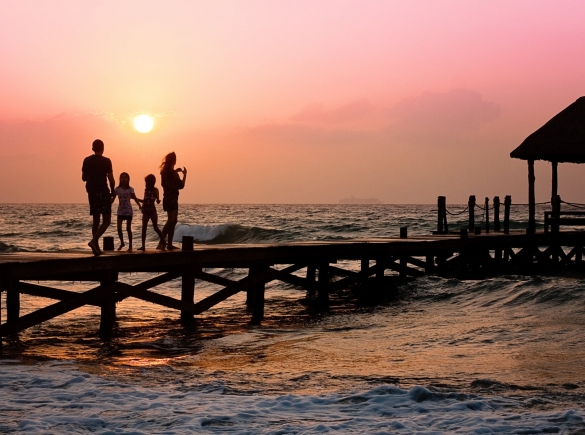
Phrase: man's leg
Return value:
(96, 224)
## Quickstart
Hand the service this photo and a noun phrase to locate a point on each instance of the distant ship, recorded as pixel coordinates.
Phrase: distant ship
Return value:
(352, 200)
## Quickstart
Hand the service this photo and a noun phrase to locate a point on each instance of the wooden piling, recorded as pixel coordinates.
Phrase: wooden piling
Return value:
(429, 264)
(442, 227)
(108, 304)
(322, 290)
(364, 267)
(507, 206)
(187, 292)
(259, 291)
(487, 215)
(12, 302)
(496, 213)
(380, 268)
(556, 208)
(531, 199)
(471, 205)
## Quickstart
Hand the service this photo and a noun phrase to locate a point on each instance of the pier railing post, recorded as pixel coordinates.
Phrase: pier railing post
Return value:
(507, 205)
(187, 292)
(108, 304)
(496, 213)
(471, 205)
(442, 227)
(487, 215)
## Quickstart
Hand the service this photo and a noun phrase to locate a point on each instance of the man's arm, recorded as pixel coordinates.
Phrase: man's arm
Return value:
(112, 182)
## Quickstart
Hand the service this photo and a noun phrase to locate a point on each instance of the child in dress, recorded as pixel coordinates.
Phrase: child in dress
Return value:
(149, 209)
(125, 193)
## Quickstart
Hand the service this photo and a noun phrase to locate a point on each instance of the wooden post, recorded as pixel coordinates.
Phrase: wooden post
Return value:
(380, 269)
(471, 205)
(12, 302)
(187, 291)
(487, 215)
(442, 227)
(556, 205)
(108, 305)
(187, 243)
(531, 199)
(555, 180)
(507, 205)
(311, 278)
(403, 265)
(322, 289)
(429, 264)
(496, 213)
(259, 295)
(364, 266)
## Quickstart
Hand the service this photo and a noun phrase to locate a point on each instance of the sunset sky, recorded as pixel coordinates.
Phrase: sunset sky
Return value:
(288, 101)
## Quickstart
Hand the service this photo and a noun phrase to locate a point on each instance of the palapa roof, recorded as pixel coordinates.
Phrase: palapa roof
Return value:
(562, 139)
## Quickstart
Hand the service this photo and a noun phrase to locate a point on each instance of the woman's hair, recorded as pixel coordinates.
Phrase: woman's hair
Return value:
(127, 175)
(168, 162)
(150, 181)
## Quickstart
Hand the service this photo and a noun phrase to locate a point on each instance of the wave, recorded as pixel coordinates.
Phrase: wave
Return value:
(4, 248)
(230, 233)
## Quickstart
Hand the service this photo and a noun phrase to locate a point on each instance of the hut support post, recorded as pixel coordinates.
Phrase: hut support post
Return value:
(531, 199)
(187, 293)
(555, 180)
(471, 205)
(487, 215)
(507, 206)
(108, 305)
(556, 205)
(496, 213)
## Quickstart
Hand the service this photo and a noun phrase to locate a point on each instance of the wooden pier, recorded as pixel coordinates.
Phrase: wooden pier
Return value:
(307, 265)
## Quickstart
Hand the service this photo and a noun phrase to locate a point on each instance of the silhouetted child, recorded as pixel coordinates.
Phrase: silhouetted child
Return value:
(125, 193)
(149, 209)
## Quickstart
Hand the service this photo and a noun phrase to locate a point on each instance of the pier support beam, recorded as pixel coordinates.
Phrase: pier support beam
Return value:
(380, 268)
(108, 304)
(364, 267)
(258, 294)
(187, 292)
(322, 290)
(12, 302)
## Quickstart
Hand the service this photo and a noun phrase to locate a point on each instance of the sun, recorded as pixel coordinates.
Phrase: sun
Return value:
(143, 123)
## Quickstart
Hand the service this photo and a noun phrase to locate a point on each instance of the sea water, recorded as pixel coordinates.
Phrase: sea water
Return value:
(499, 355)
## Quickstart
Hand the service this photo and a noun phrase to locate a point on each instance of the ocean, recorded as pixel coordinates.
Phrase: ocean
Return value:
(500, 355)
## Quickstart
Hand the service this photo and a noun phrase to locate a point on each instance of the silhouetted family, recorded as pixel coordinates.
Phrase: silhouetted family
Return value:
(97, 172)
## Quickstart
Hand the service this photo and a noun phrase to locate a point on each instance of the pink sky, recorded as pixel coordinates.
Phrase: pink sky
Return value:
(288, 101)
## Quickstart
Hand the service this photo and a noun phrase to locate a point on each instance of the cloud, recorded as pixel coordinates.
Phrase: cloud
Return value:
(315, 113)
(434, 115)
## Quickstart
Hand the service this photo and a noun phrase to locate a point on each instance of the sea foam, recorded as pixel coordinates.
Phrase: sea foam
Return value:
(57, 398)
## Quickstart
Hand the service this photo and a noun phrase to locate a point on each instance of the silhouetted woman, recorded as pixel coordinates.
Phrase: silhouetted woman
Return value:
(171, 183)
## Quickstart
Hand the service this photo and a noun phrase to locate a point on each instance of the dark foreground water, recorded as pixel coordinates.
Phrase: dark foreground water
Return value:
(501, 355)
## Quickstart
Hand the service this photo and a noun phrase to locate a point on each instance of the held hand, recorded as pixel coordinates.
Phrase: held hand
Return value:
(184, 171)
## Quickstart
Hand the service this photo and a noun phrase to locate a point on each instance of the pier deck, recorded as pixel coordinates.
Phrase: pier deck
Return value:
(309, 265)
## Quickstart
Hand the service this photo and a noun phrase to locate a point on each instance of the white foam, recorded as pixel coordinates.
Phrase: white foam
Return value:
(200, 233)
(56, 398)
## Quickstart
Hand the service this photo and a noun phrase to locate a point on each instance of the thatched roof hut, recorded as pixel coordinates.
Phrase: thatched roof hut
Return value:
(560, 140)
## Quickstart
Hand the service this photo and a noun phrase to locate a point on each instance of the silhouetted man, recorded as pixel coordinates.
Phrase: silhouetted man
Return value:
(96, 172)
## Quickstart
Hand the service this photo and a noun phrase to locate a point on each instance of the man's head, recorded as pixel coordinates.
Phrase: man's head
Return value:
(98, 147)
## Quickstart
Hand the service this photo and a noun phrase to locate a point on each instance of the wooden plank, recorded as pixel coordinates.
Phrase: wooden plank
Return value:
(214, 279)
(54, 310)
(265, 276)
(47, 292)
(155, 298)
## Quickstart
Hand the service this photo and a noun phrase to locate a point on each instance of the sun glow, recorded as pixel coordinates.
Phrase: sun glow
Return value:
(143, 123)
